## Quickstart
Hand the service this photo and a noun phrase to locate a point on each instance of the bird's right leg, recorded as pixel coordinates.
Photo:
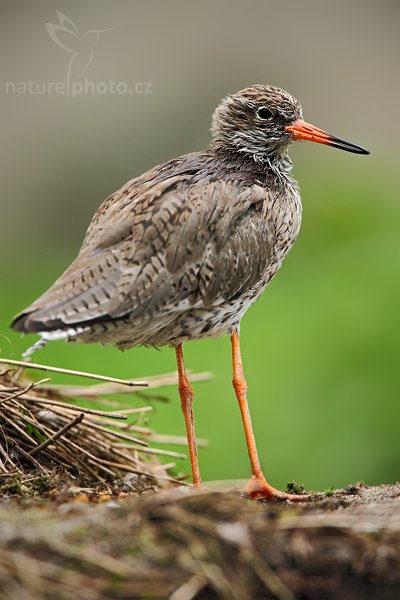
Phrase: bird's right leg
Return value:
(186, 394)
(258, 487)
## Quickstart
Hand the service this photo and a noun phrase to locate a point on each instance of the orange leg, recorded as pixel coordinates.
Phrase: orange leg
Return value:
(258, 485)
(186, 394)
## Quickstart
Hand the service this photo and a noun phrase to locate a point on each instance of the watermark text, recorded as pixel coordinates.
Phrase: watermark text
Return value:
(77, 88)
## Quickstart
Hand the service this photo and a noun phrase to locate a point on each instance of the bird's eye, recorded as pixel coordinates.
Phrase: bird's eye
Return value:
(264, 113)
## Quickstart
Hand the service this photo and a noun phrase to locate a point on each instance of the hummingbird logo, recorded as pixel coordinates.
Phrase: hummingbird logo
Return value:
(81, 46)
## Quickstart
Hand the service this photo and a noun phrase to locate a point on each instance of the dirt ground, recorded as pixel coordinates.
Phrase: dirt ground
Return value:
(134, 541)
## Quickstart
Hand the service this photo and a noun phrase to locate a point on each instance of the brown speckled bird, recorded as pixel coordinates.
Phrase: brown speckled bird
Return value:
(182, 251)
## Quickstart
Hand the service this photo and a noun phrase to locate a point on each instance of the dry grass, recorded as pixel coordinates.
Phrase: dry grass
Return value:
(187, 545)
(46, 432)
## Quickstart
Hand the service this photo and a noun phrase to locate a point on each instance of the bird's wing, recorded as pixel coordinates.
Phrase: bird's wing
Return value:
(160, 244)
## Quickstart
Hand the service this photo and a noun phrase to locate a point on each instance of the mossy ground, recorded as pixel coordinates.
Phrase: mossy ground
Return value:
(132, 540)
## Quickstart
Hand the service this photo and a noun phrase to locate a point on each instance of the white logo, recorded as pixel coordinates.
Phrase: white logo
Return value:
(81, 46)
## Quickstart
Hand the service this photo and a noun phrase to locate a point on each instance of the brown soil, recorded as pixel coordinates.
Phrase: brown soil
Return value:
(70, 543)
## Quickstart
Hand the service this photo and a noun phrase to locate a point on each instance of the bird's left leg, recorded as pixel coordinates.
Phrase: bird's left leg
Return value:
(186, 394)
(258, 485)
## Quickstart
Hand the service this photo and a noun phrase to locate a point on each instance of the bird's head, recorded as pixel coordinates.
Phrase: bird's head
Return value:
(262, 121)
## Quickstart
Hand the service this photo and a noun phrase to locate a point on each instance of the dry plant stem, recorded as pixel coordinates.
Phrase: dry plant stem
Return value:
(118, 434)
(14, 425)
(190, 588)
(29, 457)
(91, 411)
(73, 457)
(29, 365)
(103, 389)
(31, 440)
(58, 434)
(110, 434)
(20, 392)
(133, 411)
(112, 447)
(159, 451)
(156, 381)
(127, 427)
(35, 425)
(270, 579)
(178, 440)
(6, 457)
(101, 462)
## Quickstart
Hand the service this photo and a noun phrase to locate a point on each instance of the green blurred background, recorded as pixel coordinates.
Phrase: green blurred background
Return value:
(321, 347)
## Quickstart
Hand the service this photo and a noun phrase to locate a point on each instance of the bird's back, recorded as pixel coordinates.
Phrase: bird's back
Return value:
(178, 253)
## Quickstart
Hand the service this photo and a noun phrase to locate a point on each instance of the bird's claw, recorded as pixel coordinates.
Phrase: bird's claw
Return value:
(258, 487)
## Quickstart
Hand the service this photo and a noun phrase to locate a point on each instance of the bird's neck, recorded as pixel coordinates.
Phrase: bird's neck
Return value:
(278, 165)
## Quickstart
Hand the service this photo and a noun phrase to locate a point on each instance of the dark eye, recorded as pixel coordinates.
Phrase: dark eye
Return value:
(264, 113)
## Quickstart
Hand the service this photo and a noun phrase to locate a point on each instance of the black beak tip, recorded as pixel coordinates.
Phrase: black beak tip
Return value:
(361, 150)
(342, 144)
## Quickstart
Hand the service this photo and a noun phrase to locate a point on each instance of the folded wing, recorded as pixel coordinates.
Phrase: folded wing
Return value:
(162, 244)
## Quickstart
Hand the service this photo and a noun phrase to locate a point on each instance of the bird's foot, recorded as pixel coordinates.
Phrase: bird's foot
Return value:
(258, 487)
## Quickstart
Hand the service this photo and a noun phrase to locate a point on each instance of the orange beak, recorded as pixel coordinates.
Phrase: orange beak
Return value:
(301, 130)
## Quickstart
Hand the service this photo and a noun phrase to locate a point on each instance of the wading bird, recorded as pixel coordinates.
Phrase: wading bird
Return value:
(182, 251)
